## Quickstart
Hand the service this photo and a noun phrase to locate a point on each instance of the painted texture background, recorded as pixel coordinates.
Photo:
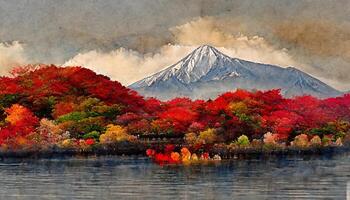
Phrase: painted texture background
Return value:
(128, 40)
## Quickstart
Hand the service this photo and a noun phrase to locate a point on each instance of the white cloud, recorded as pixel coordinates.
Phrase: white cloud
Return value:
(11, 55)
(128, 66)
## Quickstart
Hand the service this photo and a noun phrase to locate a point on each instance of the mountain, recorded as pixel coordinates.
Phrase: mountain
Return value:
(206, 73)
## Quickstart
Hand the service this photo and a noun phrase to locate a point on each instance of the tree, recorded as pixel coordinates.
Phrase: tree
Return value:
(115, 133)
(20, 122)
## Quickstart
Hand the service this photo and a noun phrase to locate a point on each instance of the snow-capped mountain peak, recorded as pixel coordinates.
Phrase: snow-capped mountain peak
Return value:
(191, 68)
(206, 72)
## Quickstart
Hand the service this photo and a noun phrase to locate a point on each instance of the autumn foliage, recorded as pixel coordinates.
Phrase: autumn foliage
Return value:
(19, 123)
(75, 106)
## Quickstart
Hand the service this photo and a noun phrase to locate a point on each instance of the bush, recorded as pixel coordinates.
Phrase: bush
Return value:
(270, 139)
(83, 126)
(68, 143)
(208, 136)
(92, 135)
(338, 142)
(190, 138)
(301, 141)
(109, 112)
(243, 141)
(19, 123)
(340, 135)
(73, 116)
(115, 133)
(90, 124)
(316, 141)
(139, 127)
(326, 140)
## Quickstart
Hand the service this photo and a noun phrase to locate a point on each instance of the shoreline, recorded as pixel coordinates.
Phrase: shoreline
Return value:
(139, 149)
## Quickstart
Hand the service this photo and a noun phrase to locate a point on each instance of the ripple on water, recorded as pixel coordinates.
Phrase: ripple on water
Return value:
(138, 178)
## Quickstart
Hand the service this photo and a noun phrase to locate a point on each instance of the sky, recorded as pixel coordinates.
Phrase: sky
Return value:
(128, 40)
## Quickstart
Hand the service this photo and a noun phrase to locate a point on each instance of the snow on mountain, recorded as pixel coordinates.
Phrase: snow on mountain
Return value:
(206, 73)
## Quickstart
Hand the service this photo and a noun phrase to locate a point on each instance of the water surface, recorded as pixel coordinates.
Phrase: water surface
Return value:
(117, 177)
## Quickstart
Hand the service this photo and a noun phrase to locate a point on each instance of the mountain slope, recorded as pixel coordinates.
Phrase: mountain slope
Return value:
(206, 73)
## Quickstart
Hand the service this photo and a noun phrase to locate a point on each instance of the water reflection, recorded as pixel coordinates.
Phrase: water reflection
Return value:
(138, 178)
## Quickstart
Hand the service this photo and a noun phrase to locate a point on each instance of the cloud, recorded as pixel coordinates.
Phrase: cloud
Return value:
(322, 44)
(128, 66)
(212, 31)
(11, 54)
(319, 38)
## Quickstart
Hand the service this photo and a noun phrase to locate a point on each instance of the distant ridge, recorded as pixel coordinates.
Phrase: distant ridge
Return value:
(206, 73)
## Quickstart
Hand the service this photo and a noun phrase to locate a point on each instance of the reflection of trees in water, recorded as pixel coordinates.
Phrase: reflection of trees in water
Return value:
(117, 177)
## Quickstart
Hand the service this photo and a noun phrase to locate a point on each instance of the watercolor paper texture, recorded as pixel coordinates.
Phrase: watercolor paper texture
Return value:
(165, 99)
(130, 39)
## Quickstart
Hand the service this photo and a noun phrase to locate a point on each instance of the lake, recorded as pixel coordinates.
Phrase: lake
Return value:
(116, 177)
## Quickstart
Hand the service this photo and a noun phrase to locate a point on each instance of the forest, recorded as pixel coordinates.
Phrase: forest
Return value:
(46, 106)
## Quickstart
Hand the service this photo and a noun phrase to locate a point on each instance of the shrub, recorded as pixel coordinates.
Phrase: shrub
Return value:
(339, 142)
(73, 116)
(162, 126)
(301, 141)
(196, 127)
(90, 124)
(190, 138)
(340, 135)
(139, 127)
(175, 156)
(47, 134)
(109, 112)
(185, 154)
(270, 139)
(85, 144)
(325, 130)
(83, 126)
(92, 135)
(238, 107)
(243, 141)
(90, 142)
(316, 141)
(68, 143)
(20, 122)
(208, 136)
(50, 126)
(326, 140)
(115, 133)
(63, 108)
(20, 115)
